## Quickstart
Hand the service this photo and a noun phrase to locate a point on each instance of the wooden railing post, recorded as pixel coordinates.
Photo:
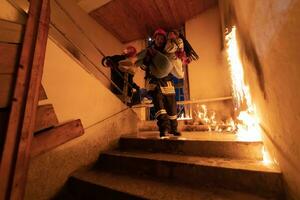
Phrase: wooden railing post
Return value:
(16, 153)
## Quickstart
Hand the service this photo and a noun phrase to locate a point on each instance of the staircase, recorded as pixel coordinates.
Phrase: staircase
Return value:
(197, 165)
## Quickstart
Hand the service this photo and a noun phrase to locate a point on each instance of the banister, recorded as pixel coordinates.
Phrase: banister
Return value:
(16, 153)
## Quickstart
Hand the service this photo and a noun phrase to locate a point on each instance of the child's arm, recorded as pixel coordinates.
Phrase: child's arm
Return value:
(173, 45)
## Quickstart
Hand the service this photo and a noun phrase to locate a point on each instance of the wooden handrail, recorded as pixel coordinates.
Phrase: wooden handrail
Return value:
(49, 139)
(16, 152)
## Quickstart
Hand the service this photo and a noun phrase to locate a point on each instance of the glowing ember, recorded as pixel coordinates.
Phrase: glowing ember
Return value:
(230, 125)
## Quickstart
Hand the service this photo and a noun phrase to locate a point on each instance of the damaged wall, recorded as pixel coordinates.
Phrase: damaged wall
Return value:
(76, 94)
(269, 33)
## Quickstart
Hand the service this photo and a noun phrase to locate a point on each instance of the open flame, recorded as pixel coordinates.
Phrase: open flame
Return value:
(184, 117)
(247, 120)
(204, 119)
(246, 124)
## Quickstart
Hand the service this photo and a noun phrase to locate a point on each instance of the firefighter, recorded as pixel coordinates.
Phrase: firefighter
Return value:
(160, 84)
(119, 65)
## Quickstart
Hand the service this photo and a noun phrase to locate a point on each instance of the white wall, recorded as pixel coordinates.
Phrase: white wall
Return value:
(79, 33)
(89, 38)
(208, 76)
(77, 95)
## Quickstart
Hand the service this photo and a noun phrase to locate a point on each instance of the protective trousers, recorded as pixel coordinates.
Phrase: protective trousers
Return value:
(164, 101)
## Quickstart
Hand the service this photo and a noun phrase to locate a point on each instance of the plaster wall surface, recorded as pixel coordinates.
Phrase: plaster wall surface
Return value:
(75, 94)
(103, 40)
(208, 76)
(83, 37)
(270, 31)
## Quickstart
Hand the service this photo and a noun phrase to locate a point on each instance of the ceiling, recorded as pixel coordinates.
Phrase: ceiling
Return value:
(90, 5)
(136, 19)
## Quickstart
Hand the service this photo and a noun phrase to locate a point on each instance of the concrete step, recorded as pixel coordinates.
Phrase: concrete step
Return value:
(95, 184)
(148, 125)
(183, 125)
(241, 175)
(202, 144)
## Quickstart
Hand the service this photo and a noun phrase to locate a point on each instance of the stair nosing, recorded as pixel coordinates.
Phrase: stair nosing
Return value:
(187, 140)
(271, 168)
(154, 181)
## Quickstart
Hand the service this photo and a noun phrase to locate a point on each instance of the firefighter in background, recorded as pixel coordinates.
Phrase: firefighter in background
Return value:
(160, 84)
(119, 65)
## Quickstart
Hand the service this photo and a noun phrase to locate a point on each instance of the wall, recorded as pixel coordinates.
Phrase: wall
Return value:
(80, 34)
(269, 38)
(76, 94)
(83, 37)
(208, 76)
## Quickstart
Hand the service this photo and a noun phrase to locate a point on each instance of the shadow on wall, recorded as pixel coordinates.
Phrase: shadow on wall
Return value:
(247, 47)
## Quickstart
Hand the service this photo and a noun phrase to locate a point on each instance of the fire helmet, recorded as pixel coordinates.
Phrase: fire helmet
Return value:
(160, 31)
(130, 51)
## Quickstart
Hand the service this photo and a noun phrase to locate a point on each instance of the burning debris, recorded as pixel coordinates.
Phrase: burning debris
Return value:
(204, 119)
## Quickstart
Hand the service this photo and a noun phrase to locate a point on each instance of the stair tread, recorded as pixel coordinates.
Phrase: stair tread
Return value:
(150, 188)
(248, 165)
(191, 136)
